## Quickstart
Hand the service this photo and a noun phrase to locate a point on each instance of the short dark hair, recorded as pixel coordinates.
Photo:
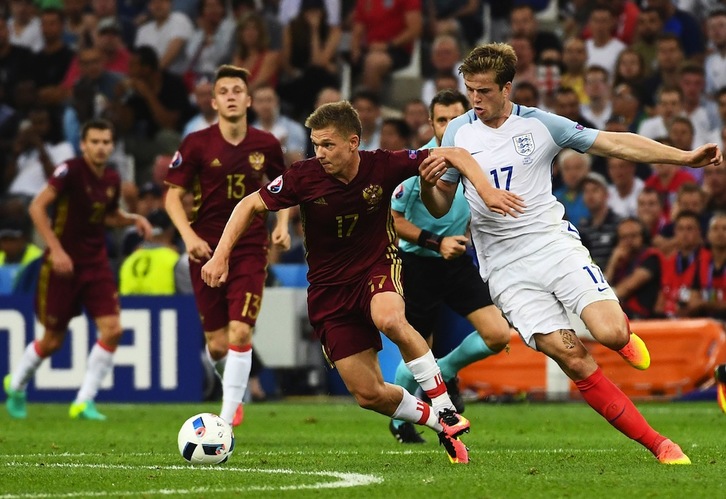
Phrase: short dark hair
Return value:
(448, 97)
(340, 115)
(402, 128)
(147, 56)
(230, 71)
(96, 124)
(688, 214)
(368, 95)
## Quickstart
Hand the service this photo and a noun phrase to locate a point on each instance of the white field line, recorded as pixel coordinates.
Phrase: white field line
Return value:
(344, 480)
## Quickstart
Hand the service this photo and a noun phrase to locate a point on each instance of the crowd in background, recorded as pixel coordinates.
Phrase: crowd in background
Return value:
(656, 67)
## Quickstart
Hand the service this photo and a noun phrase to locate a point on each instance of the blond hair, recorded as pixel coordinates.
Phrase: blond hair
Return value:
(340, 115)
(497, 57)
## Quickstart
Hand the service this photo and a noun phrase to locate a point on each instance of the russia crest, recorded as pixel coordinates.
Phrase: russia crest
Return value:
(524, 144)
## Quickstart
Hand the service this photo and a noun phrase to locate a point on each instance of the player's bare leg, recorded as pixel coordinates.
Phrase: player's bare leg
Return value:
(362, 375)
(610, 326)
(602, 395)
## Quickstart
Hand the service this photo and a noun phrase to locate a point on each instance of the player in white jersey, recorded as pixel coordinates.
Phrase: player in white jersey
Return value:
(535, 263)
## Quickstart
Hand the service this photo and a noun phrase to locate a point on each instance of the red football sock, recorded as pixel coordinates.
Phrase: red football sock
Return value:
(612, 404)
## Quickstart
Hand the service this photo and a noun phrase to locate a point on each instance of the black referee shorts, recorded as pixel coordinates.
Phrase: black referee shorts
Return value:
(430, 282)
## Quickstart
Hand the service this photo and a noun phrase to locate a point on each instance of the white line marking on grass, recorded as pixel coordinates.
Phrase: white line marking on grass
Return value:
(344, 480)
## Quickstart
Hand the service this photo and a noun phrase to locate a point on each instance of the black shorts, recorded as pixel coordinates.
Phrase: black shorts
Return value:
(429, 283)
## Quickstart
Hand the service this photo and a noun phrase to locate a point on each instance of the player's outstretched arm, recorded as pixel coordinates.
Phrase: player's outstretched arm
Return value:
(497, 200)
(641, 149)
(38, 210)
(215, 271)
(436, 195)
(121, 218)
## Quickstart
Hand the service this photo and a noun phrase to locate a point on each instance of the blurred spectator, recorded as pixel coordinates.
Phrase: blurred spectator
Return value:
(167, 32)
(634, 270)
(211, 43)
(416, 116)
(683, 136)
(567, 104)
(625, 188)
(327, 95)
(598, 231)
(670, 105)
(526, 67)
(273, 26)
(679, 269)
(107, 10)
(525, 93)
(445, 60)
(383, 36)
(669, 57)
(16, 247)
(74, 29)
(309, 57)
(368, 106)
(16, 64)
(34, 156)
(462, 18)
(113, 55)
(626, 108)
(715, 135)
(254, 53)
(666, 180)
(650, 212)
(574, 62)
(573, 167)
(691, 198)
(692, 82)
(150, 109)
(395, 134)
(708, 296)
(150, 268)
(625, 19)
(289, 9)
(524, 23)
(630, 68)
(51, 63)
(207, 114)
(683, 25)
(714, 183)
(597, 88)
(89, 95)
(150, 200)
(650, 27)
(603, 48)
(24, 25)
(715, 63)
(291, 134)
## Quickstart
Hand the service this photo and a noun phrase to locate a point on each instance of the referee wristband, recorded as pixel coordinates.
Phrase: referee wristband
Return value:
(429, 240)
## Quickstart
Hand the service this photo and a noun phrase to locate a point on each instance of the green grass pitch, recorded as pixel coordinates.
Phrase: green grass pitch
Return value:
(332, 448)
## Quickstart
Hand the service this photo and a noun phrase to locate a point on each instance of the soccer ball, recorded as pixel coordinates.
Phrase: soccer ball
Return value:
(206, 439)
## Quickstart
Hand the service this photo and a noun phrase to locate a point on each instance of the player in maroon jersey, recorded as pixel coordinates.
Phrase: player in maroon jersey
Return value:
(355, 283)
(222, 164)
(75, 270)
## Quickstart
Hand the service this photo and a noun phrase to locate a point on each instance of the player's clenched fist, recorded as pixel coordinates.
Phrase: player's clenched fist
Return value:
(215, 271)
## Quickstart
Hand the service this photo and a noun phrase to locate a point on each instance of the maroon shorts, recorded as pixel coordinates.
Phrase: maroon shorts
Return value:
(341, 314)
(239, 299)
(59, 299)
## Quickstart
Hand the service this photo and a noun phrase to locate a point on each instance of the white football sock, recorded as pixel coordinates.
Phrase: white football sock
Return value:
(417, 411)
(24, 371)
(234, 381)
(427, 373)
(100, 362)
(217, 364)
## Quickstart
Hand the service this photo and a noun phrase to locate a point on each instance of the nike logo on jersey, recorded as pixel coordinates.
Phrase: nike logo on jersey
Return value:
(477, 152)
(602, 289)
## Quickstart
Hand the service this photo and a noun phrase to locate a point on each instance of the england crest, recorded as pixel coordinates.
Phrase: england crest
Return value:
(524, 144)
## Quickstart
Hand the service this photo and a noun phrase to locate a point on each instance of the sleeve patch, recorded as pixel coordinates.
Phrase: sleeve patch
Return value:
(176, 160)
(276, 185)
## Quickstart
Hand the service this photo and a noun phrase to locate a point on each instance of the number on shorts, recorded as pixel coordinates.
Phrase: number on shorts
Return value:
(251, 308)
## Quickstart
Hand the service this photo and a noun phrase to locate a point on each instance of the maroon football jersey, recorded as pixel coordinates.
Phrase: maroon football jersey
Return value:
(84, 200)
(348, 227)
(220, 174)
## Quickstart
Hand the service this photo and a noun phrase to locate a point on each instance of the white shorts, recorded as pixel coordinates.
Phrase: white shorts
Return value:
(535, 292)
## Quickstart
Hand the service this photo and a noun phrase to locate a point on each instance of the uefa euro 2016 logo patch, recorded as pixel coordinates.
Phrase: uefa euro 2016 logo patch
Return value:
(276, 185)
(399, 192)
(176, 160)
(61, 170)
(524, 144)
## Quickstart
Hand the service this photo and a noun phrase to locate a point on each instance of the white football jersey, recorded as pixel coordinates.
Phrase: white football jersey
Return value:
(518, 156)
